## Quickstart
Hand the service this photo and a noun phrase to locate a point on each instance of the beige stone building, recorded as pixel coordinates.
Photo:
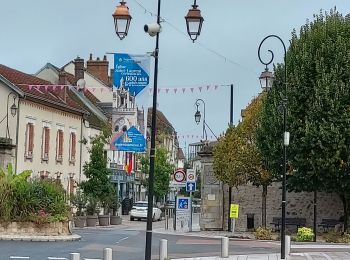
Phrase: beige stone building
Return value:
(46, 129)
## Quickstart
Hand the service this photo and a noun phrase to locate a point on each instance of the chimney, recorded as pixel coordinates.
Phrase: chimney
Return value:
(98, 68)
(62, 77)
(79, 68)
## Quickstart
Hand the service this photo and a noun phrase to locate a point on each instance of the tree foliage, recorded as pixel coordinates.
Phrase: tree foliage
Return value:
(318, 91)
(98, 185)
(162, 171)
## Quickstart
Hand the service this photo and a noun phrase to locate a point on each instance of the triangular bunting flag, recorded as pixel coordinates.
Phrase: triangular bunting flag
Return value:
(183, 90)
(30, 87)
(208, 87)
(192, 89)
(166, 90)
(158, 90)
(200, 89)
(175, 90)
(216, 87)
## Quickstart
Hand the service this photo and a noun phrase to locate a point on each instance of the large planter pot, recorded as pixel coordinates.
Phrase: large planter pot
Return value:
(79, 221)
(115, 220)
(103, 220)
(91, 220)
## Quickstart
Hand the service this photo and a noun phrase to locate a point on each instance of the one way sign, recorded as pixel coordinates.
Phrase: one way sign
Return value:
(190, 186)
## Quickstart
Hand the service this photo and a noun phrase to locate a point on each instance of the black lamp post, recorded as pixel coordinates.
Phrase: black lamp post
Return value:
(123, 17)
(266, 80)
(13, 110)
(197, 116)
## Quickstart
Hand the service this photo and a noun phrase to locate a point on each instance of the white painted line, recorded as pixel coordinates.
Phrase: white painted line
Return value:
(308, 257)
(327, 256)
(20, 257)
(121, 240)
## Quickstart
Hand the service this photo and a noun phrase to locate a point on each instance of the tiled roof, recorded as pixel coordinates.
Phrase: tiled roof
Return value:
(162, 123)
(55, 96)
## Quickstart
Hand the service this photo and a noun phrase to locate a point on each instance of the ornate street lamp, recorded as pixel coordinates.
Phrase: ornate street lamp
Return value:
(197, 116)
(267, 78)
(122, 20)
(13, 110)
(194, 22)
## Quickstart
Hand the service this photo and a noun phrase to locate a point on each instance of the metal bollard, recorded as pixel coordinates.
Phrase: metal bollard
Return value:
(287, 245)
(107, 254)
(74, 256)
(224, 247)
(166, 222)
(163, 249)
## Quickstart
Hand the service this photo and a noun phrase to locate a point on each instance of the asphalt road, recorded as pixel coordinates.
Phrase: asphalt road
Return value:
(128, 243)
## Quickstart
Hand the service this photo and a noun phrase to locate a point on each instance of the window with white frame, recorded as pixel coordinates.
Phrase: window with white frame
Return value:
(29, 144)
(59, 144)
(72, 145)
(45, 142)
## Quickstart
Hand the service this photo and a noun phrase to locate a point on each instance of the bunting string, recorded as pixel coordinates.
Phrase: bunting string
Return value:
(162, 90)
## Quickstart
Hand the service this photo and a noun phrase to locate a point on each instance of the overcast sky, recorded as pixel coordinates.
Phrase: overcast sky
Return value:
(36, 32)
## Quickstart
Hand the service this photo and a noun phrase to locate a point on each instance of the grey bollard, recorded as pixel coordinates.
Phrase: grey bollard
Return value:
(224, 247)
(163, 249)
(74, 256)
(107, 254)
(287, 245)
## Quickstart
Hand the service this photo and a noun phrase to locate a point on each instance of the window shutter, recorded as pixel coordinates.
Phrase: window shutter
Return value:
(30, 139)
(46, 142)
(60, 152)
(73, 146)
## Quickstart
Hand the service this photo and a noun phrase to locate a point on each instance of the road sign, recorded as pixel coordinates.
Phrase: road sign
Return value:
(234, 210)
(191, 175)
(190, 186)
(179, 175)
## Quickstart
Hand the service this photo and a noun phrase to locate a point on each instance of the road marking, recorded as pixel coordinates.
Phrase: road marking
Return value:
(121, 240)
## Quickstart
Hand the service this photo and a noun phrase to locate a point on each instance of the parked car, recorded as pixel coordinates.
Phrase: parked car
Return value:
(139, 211)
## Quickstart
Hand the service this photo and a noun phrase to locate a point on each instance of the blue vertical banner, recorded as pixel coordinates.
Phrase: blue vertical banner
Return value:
(131, 100)
(133, 71)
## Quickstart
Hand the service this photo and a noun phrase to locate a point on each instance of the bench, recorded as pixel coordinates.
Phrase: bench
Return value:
(297, 222)
(329, 223)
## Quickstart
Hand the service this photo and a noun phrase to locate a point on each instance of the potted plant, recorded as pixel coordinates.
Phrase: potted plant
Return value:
(115, 219)
(91, 217)
(79, 201)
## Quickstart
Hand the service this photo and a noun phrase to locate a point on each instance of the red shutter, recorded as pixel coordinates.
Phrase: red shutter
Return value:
(60, 144)
(46, 142)
(73, 145)
(30, 139)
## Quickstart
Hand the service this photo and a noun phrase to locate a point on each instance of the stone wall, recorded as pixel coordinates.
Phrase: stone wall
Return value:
(30, 228)
(299, 205)
(6, 152)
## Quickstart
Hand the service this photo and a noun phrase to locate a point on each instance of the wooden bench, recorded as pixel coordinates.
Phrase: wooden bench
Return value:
(297, 222)
(329, 223)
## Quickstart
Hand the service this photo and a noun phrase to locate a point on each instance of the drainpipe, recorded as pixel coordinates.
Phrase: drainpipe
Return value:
(81, 146)
(17, 133)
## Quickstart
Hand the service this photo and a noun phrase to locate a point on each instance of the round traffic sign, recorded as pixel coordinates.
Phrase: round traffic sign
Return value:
(179, 175)
(190, 177)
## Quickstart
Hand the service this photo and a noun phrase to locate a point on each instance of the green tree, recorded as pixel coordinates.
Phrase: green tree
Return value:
(237, 159)
(162, 171)
(318, 92)
(98, 186)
